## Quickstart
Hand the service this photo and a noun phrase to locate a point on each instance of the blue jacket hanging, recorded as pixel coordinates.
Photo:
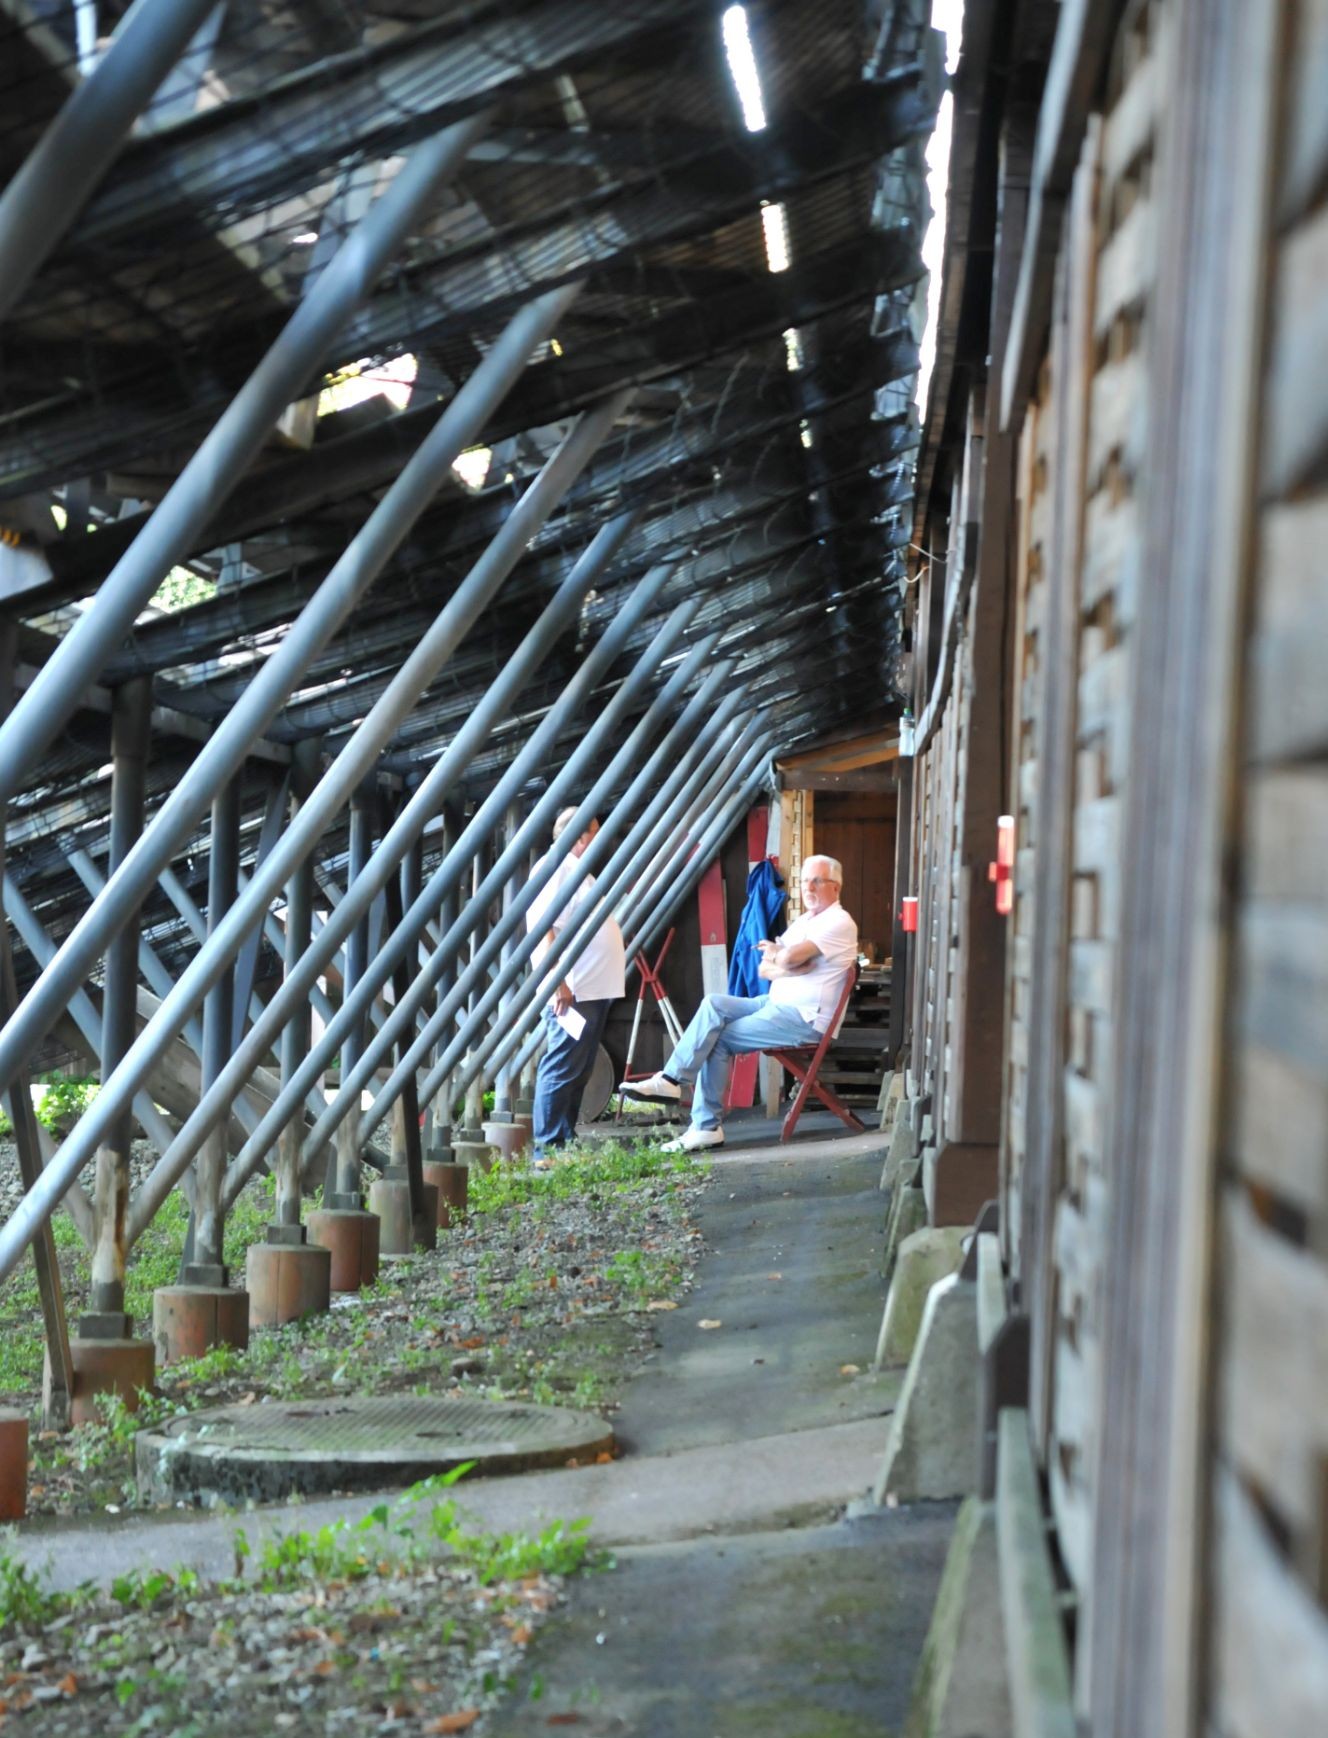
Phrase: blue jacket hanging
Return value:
(762, 917)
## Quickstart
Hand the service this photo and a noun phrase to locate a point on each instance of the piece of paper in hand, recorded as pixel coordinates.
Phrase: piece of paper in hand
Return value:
(572, 1023)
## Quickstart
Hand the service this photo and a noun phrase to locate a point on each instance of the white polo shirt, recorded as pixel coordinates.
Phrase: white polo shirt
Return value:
(815, 991)
(600, 975)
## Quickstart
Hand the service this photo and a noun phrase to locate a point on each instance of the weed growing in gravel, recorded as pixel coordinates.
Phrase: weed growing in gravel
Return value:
(24, 1602)
(617, 1165)
(389, 1538)
(402, 1535)
(640, 1273)
(94, 1445)
(140, 1589)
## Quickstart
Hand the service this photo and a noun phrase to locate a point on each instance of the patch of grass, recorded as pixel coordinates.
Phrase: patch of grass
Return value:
(616, 1165)
(97, 1445)
(641, 1273)
(561, 1548)
(404, 1534)
(25, 1603)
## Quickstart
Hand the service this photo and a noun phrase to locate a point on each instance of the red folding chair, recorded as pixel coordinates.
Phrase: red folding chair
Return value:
(805, 1064)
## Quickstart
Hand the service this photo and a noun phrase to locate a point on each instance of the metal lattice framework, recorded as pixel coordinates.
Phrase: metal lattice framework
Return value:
(415, 417)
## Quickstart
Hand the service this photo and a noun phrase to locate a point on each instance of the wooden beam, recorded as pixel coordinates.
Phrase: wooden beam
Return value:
(865, 757)
(875, 745)
(867, 779)
(1084, 36)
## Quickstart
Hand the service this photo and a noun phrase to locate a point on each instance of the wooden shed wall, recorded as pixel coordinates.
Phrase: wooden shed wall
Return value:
(1164, 1125)
(1268, 1659)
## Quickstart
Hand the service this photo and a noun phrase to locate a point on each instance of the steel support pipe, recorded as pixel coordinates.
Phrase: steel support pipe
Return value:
(363, 813)
(596, 855)
(571, 942)
(502, 1086)
(225, 454)
(356, 758)
(447, 916)
(480, 828)
(194, 920)
(159, 980)
(425, 802)
(297, 1033)
(79, 146)
(205, 1267)
(131, 730)
(339, 593)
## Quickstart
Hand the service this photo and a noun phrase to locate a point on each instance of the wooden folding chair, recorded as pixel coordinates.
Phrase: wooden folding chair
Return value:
(805, 1064)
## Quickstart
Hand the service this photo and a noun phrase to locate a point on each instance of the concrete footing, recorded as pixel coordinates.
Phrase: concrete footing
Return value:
(889, 1099)
(188, 1320)
(908, 1213)
(902, 1155)
(931, 1452)
(287, 1281)
(471, 1149)
(510, 1138)
(13, 1465)
(352, 1237)
(389, 1198)
(962, 1688)
(924, 1257)
(451, 1182)
(105, 1367)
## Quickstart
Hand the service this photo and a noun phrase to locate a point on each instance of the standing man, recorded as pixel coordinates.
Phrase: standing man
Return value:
(579, 1007)
(805, 970)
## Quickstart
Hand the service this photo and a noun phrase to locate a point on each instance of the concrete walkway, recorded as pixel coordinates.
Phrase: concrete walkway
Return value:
(743, 1601)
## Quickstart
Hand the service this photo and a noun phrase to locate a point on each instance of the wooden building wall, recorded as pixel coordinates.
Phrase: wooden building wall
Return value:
(1163, 1090)
(1267, 1664)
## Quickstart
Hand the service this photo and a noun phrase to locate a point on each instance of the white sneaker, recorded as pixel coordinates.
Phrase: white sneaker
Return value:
(657, 1088)
(694, 1139)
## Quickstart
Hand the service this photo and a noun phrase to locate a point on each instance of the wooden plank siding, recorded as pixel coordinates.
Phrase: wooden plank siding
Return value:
(1116, 454)
(1268, 1661)
(1037, 455)
(1164, 1082)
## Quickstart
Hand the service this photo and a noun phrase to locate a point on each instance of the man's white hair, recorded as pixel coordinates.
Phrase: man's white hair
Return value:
(832, 868)
(563, 821)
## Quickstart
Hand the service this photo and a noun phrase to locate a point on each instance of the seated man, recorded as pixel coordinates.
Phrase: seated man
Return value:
(805, 970)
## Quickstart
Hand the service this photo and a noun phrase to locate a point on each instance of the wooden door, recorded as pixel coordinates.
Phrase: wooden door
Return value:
(858, 827)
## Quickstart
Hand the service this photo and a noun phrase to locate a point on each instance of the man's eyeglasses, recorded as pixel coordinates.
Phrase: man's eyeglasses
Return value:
(817, 881)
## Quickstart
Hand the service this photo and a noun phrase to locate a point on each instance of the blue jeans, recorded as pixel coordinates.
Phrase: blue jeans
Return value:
(563, 1071)
(725, 1026)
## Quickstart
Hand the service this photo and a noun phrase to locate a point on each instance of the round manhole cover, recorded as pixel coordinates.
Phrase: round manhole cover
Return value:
(313, 1446)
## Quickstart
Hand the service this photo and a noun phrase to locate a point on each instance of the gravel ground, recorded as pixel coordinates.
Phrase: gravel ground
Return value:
(425, 1651)
(549, 1292)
